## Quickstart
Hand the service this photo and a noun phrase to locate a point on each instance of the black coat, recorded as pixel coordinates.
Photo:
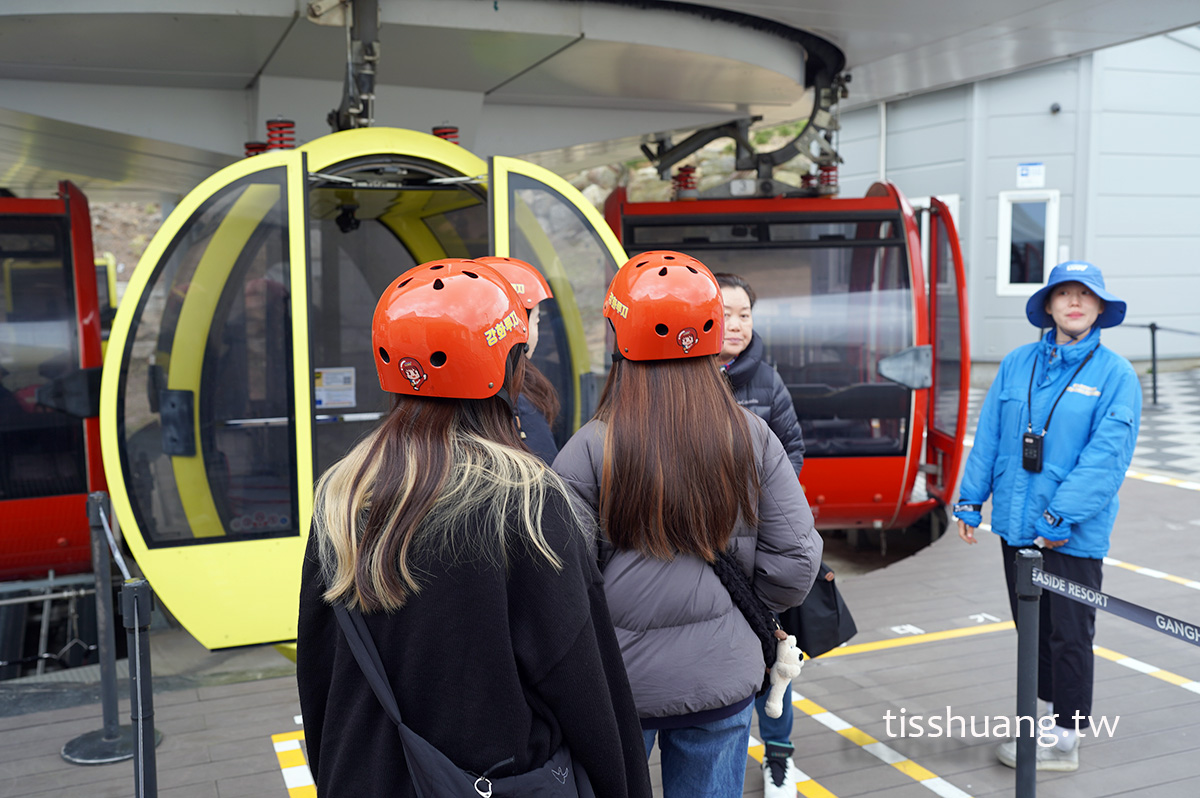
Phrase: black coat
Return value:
(535, 430)
(758, 387)
(486, 665)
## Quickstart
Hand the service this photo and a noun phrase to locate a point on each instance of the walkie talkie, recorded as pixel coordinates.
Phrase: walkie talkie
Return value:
(1031, 452)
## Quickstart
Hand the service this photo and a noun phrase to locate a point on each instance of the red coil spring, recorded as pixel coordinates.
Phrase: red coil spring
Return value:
(827, 175)
(447, 132)
(255, 147)
(281, 134)
(684, 180)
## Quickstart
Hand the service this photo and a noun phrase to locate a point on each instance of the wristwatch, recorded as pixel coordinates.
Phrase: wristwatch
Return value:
(967, 508)
(1051, 519)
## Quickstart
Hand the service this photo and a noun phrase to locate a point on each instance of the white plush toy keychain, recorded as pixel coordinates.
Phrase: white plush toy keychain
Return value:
(788, 661)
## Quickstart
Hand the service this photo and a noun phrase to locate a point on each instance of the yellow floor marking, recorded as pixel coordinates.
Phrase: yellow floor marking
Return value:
(912, 640)
(296, 776)
(805, 785)
(1137, 569)
(1151, 572)
(1148, 669)
(1159, 479)
(881, 751)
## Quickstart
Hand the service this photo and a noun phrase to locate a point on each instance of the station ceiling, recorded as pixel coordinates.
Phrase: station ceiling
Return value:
(727, 58)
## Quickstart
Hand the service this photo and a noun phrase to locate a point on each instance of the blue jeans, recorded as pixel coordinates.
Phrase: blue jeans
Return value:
(707, 760)
(775, 730)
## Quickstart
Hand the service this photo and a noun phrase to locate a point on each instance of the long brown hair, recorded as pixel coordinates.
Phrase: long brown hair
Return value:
(541, 392)
(410, 488)
(679, 461)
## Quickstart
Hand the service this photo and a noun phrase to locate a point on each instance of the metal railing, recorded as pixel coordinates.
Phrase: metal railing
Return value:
(1154, 328)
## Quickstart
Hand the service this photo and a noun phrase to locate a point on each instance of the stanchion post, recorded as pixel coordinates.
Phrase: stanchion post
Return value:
(1153, 363)
(106, 639)
(1028, 596)
(113, 743)
(135, 609)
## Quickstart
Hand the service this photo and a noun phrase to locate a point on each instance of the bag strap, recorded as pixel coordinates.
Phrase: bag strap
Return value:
(762, 621)
(362, 645)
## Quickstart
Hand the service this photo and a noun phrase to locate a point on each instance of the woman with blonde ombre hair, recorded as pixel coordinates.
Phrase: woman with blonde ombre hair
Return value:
(464, 556)
(679, 476)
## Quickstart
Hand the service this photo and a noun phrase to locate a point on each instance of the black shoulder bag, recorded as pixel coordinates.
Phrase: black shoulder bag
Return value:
(433, 774)
(823, 622)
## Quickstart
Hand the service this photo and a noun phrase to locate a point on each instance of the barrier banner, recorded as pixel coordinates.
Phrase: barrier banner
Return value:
(1187, 632)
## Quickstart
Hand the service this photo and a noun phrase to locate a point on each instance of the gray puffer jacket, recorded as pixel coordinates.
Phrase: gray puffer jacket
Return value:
(687, 647)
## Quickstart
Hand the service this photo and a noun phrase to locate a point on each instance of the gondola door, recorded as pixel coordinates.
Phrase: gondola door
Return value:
(49, 369)
(948, 330)
(540, 218)
(203, 450)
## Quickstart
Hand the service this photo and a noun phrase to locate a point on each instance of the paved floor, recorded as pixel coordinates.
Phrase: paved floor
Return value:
(933, 640)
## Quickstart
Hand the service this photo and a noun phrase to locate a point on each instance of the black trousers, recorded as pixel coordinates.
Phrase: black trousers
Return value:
(1066, 664)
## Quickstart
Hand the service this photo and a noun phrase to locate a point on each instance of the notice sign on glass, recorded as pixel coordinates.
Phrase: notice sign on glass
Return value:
(1031, 175)
(334, 387)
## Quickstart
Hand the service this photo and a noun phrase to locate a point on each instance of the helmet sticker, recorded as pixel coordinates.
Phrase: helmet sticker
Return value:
(617, 305)
(501, 329)
(519, 287)
(410, 367)
(687, 338)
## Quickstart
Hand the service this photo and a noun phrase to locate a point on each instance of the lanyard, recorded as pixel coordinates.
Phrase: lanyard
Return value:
(1029, 399)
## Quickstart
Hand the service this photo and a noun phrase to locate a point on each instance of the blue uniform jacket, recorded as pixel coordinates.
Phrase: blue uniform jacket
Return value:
(1086, 450)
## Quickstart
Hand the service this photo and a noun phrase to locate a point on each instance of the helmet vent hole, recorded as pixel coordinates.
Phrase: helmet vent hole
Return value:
(693, 271)
(438, 285)
(708, 325)
(662, 272)
(640, 265)
(383, 355)
(472, 275)
(439, 266)
(661, 329)
(668, 257)
(437, 359)
(406, 282)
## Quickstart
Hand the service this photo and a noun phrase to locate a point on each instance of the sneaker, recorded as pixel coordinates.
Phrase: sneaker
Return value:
(777, 767)
(1051, 758)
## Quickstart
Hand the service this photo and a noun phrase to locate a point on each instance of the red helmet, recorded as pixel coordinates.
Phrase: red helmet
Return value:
(445, 328)
(665, 305)
(528, 282)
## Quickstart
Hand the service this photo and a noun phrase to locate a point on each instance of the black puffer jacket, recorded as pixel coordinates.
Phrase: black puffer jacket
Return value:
(758, 387)
(535, 430)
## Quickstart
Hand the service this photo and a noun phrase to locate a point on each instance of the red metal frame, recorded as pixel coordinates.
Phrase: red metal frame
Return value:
(45, 533)
(951, 448)
(843, 491)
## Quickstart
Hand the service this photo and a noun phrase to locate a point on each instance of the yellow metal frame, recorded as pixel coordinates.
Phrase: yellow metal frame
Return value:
(501, 168)
(191, 334)
(238, 592)
(231, 592)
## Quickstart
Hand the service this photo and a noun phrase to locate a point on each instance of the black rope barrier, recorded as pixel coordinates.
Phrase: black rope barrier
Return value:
(1168, 625)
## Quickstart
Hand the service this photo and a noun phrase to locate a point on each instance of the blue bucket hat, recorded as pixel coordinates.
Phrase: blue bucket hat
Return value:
(1075, 271)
